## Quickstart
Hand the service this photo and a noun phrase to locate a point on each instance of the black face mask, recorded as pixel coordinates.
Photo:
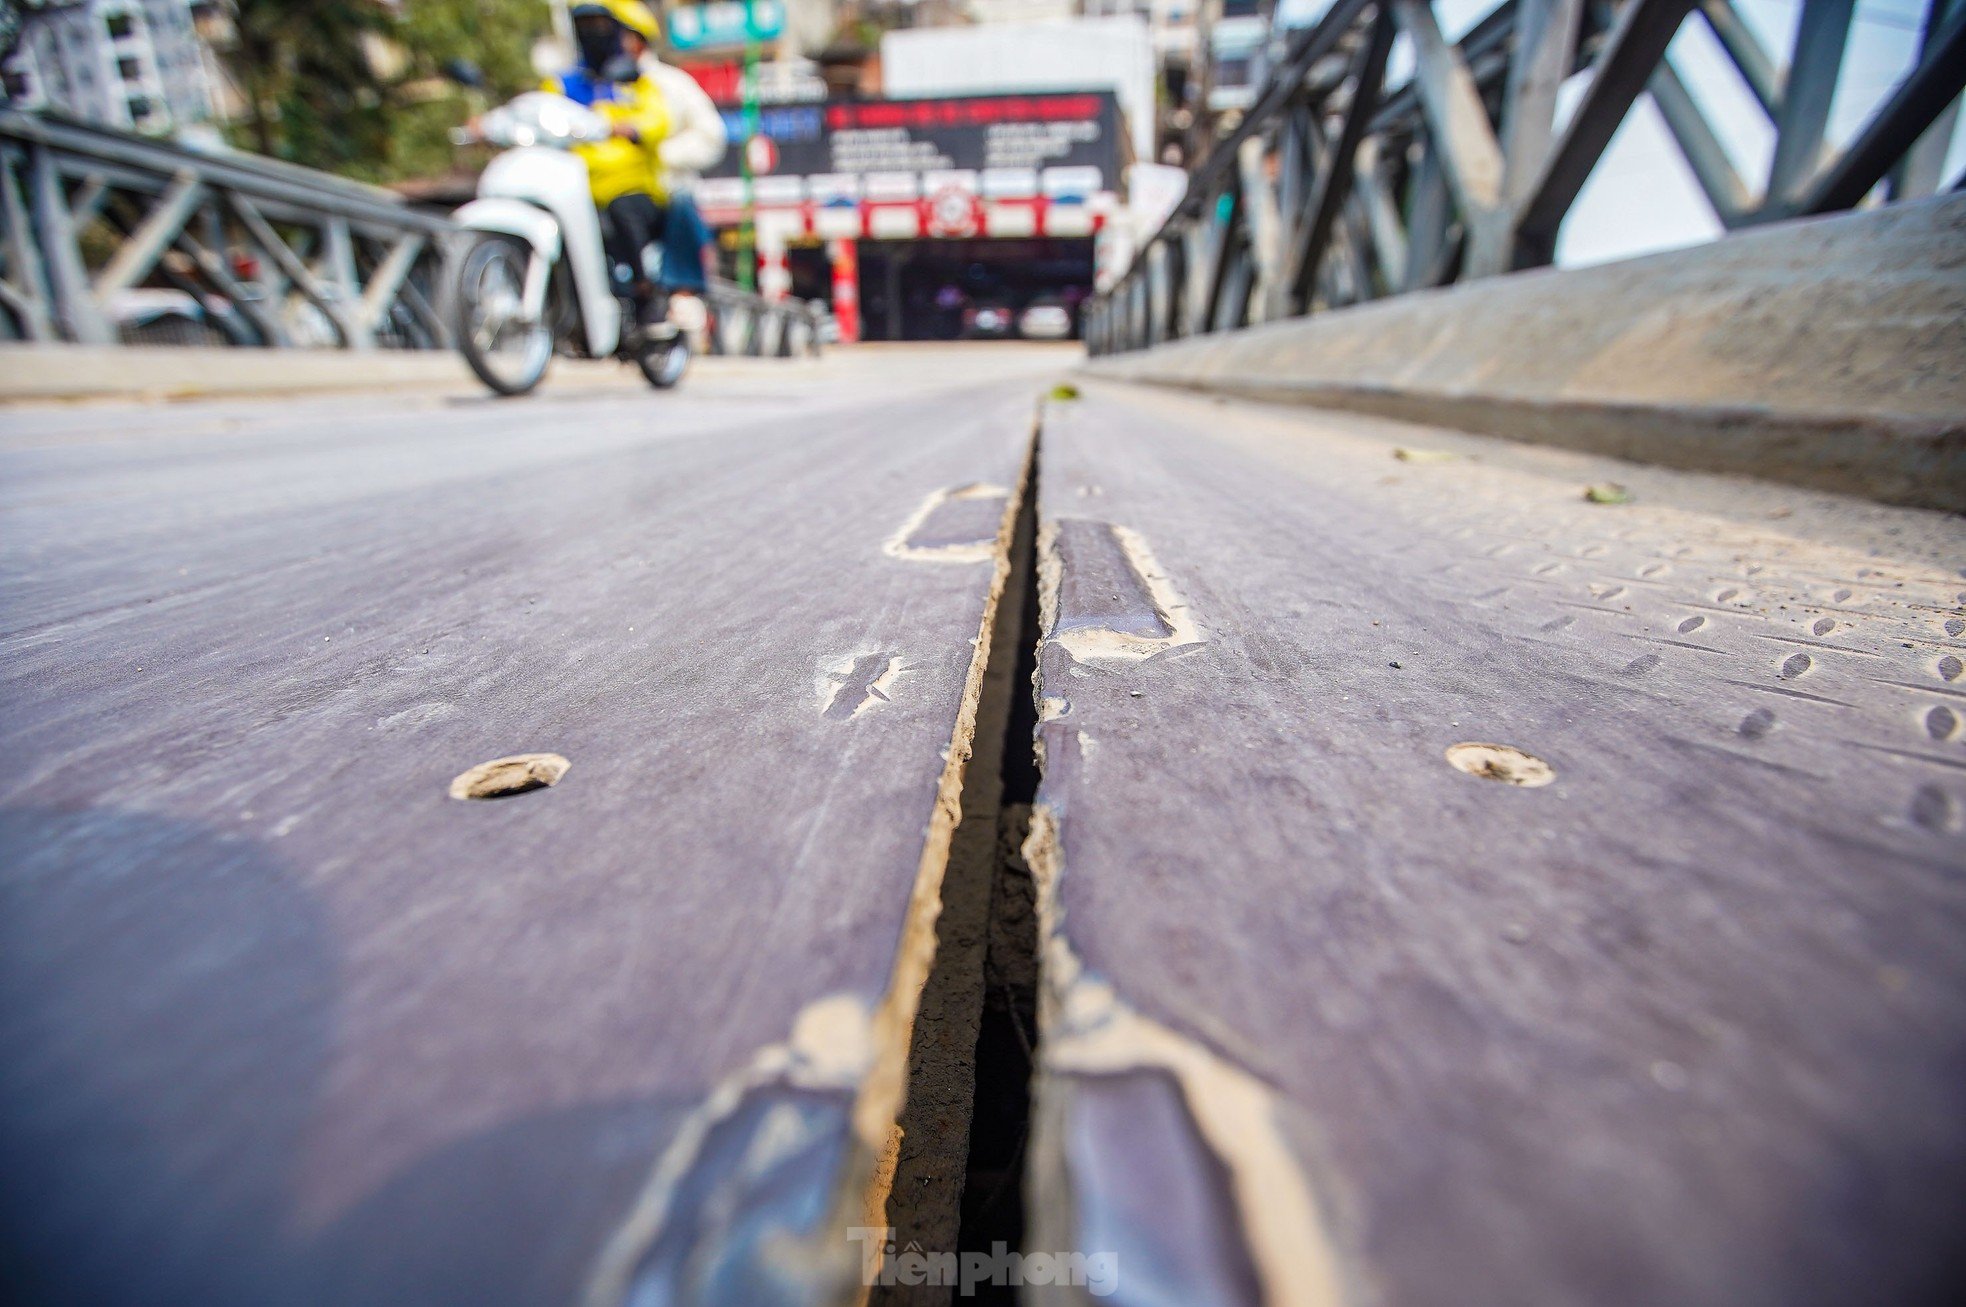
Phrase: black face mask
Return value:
(600, 46)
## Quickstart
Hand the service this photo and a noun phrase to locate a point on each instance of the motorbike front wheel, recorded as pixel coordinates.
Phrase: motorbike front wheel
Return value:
(507, 349)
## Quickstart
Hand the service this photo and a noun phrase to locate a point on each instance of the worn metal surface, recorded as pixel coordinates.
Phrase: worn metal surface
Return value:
(1329, 1019)
(1461, 170)
(285, 1023)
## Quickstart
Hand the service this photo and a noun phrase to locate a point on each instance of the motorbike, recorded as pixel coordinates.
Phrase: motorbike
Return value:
(535, 278)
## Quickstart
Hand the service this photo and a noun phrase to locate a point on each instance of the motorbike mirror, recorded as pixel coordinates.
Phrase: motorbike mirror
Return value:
(465, 73)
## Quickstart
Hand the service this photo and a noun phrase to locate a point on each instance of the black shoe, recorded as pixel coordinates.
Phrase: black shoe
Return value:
(646, 336)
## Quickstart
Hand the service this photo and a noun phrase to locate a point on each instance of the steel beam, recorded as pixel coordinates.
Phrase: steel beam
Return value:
(1922, 171)
(1429, 217)
(1718, 178)
(338, 257)
(1311, 45)
(1203, 247)
(30, 294)
(435, 328)
(158, 232)
(1459, 122)
(296, 271)
(1352, 243)
(1334, 175)
(88, 198)
(68, 279)
(388, 278)
(1895, 128)
(1819, 41)
(1545, 51)
(1749, 57)
(1485, 49)
(1388, 236)
(1645, 28)
(1177, 288)
(1266, 230)
(256, 310)
(1226, 250)
(1154, 273)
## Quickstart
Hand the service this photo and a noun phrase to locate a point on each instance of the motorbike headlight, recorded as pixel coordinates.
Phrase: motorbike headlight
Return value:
(496, 126)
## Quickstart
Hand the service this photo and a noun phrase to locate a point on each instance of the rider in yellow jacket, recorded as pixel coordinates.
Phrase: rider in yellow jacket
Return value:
(624, 171)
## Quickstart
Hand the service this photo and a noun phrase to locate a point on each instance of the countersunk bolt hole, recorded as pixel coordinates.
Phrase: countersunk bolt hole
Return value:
(502, 778)
(1500, 762)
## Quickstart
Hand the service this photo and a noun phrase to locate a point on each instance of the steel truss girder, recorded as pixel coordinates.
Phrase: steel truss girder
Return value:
(323, 250)
(200, 223)
(1458, 171)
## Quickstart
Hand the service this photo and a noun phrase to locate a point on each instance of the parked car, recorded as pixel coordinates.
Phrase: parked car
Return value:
(1045, 318)
(990, 320)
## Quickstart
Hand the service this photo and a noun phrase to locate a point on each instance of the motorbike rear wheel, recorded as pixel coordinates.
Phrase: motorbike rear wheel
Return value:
(508, 351)
(663, 364)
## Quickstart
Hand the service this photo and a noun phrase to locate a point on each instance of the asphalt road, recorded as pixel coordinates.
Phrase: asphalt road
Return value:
(282, 1021)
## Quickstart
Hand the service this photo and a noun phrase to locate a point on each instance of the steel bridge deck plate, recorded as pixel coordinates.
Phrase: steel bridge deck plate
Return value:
(1686, 1025)
(285, 1023)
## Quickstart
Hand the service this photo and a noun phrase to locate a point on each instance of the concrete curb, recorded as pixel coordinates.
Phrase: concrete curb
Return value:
(1919, 462)
(42, 374)
(1829, 353)
(37, 373)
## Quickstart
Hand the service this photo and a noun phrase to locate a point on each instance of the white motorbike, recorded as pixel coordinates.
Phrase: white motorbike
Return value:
(535, 279)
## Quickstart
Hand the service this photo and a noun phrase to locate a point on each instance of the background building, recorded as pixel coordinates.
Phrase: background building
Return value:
(926, 218)
(1083, 54)
(137, 64)
(933, 170)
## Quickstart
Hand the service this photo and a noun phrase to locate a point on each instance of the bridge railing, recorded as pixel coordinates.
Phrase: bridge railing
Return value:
(297, 257)
(272, 254)
(744, 322)
(1337, 188)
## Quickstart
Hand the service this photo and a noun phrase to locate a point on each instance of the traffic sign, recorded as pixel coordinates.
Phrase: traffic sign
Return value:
(761, 153)
(727, 22)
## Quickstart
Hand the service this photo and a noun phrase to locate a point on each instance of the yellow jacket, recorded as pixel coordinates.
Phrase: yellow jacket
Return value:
(619, 166)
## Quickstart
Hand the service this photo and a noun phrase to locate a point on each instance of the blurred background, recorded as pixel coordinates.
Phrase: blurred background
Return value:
(926, 169)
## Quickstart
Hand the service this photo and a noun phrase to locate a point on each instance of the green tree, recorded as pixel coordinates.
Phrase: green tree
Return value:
(361, 88)
(312, 93)
(493, 37)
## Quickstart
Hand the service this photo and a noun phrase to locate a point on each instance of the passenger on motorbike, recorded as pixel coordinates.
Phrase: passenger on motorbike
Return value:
(625, 171)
